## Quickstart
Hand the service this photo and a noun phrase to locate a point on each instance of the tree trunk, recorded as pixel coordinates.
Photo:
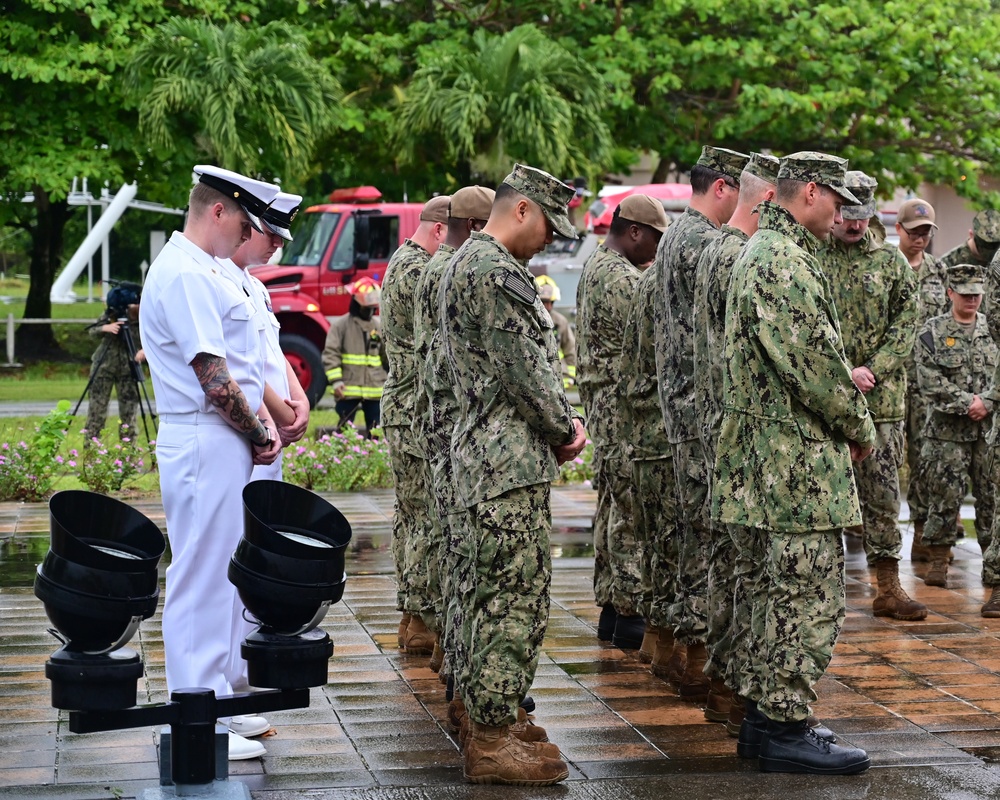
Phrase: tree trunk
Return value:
(46, 256)
(662, 170)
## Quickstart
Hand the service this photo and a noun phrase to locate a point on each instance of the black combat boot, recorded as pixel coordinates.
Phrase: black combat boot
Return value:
(751, 731)
(606, 623)
(795, 747)
(629, 632)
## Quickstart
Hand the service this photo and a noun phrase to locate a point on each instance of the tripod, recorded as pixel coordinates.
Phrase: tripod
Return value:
(135, 373)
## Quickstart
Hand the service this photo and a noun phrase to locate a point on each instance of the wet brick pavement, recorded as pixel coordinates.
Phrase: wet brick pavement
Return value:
(922, 697)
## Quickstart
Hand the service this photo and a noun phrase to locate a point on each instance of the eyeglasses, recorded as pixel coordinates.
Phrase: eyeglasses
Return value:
(915, 234)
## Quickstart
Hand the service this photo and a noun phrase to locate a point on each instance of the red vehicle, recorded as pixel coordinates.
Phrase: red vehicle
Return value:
(353, 236)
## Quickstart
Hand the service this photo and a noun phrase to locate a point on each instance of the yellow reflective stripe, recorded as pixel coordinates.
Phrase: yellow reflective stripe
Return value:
(567, 383)
(571, 369)
(374, 361)
(353, 359)
(334, 374)
(562, 355)
(364, 392)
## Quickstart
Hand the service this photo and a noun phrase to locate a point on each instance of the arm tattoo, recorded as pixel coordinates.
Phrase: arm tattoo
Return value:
(224, 394)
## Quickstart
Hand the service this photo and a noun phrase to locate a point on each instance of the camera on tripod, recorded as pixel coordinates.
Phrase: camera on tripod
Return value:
(123, 295)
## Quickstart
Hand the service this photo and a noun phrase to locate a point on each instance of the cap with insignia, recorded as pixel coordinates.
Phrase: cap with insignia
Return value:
(967, 278)
(436, 209)
(822, 168)
(251, 195)
(472, 202)
(986, 226)
(281, 213)
(863, 187)
(643, 209)
(915, 213)
(728, 162)
(763, 166)
(550, 193)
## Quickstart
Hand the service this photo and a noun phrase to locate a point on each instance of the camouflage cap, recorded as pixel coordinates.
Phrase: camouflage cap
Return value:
(967, 278)
(863, 187)
(551, 194)
(472, 202)
(763, 166)
(728, 162)
(643, 209)
(436, 209)
(820, 168)
(986, 226)
(915, 213)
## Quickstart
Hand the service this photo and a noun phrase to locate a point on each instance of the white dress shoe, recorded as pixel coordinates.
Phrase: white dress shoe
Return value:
(249, 725)
(241, 749)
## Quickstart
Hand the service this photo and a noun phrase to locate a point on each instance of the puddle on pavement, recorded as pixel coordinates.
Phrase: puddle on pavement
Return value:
(19, 557)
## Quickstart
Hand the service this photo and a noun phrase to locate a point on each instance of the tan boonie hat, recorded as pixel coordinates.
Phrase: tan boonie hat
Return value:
(472, 202)
(728, 162)
(821, 168)
(551, 194)
(763, 166)
(967, 279)
(986, 226)
(863, 187)
(645, 210)
(436, 209)
(915, 213)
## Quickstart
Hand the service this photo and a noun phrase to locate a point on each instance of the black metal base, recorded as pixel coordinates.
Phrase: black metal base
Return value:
(85, 682)
(277, 661)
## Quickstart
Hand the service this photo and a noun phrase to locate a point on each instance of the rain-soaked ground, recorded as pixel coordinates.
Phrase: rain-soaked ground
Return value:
(922, 697)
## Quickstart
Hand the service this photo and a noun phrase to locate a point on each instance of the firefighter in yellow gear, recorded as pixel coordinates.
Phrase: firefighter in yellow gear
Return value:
(549, 293)
(351, 356)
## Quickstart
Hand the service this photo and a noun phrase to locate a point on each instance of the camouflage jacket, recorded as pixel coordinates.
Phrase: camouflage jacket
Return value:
(715, 265)
(875, 293)
(397, 309)
(603, 298)
(790, 407)
(955, 363)
(425, 325)
(640, 417)
(112, 352)
(498, 341)
(676, 261)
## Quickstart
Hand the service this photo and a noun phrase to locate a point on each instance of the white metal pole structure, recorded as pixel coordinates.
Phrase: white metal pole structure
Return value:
(62, 287)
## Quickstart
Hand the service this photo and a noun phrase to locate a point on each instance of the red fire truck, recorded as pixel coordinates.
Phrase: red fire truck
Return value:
(351, 237)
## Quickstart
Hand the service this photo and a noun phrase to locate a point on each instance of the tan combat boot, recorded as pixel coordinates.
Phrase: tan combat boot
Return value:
(694, 683)
(991, 608)
(892, 600)
(937, 573)
(404, 623)
(419, 640)
(649, 639)
(673, 670)
(437, 657)
(456, 713)
(720, 700)
(493, 756)
(737, 710)
(918, 550)
(661, 652)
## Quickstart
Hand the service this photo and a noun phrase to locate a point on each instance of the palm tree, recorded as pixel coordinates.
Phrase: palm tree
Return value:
(514, 96)
(248, 98)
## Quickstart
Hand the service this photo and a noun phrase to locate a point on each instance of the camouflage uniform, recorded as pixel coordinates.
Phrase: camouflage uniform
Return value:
(991, 553)
(783, 465)
(954, 363)
(432, 436)
(497, 338)
(411, 523)
(875, 294)
(603, 299)
(711, 287)
(676, 262)
(654, 488)
(932, 301)
(115, 372)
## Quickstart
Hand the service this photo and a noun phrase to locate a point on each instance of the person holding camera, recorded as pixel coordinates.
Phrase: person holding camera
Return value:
(111, 366)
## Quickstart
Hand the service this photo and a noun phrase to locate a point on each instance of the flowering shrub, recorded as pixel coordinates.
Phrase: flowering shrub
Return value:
(579, 469)
(106, 468)
(28, 468)
(338, 462)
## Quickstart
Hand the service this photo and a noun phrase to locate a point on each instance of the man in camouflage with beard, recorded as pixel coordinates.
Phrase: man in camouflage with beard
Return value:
(515, 427)
(793, 421)
(715, 186)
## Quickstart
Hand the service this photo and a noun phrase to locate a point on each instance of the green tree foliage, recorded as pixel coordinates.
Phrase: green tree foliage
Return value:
(516, 96)
(249, 98)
